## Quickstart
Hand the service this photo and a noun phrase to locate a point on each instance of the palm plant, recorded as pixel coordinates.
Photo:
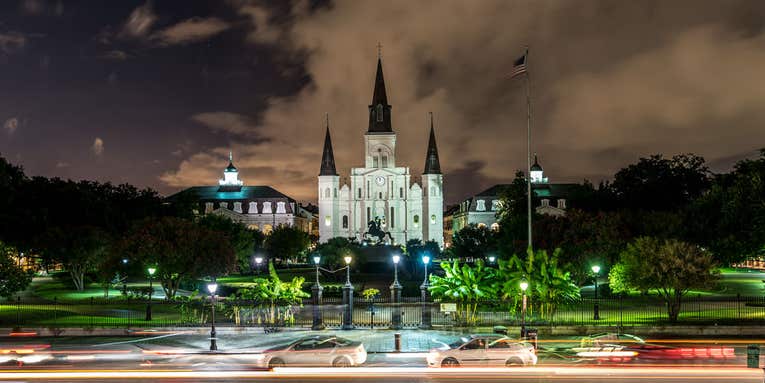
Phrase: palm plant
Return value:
(466, 286)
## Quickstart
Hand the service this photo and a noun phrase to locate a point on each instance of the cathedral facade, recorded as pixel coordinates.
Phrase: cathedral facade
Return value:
(381, 196)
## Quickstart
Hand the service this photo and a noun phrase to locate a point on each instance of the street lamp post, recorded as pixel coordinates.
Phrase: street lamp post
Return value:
(348, 296)
(212, 288)
(258, 261)
(151, 271)
(524, 286)
(595, 308)
(395, 293)
(317, 293)
(425, 323)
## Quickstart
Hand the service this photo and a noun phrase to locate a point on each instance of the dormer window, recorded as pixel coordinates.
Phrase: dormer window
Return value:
(267, 207)
(224, 205)
(480, 205)
(545, 202)
(281, 208)
(238, 207)
(379, 112)
(494, 205)
(208, 207)
(253, 208)
(562, 203)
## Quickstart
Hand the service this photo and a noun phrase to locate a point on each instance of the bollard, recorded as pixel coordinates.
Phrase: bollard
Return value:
(397, 341)
(753, 356)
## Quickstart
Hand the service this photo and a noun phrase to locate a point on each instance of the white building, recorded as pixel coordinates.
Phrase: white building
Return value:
(259, 207)
(381, 190)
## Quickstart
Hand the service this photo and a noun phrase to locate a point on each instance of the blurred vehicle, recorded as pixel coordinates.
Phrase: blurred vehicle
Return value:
(24, 354)
(316, 350)
(626, 347)
(483, 350)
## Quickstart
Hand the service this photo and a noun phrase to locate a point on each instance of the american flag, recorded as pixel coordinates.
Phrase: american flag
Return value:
(519, 66)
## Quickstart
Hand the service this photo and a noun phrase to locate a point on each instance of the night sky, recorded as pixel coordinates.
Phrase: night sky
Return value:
(156, 93)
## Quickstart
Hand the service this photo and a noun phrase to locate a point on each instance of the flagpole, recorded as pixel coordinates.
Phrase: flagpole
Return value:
(528, 146)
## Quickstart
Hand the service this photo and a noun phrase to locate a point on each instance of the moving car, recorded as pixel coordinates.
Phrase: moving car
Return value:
(626, 347)
(483, 350)
(316, 350)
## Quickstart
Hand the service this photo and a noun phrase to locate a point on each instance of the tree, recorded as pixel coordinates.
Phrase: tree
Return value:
(287, 242)
(275, 292)
(80, 249)
(180, 250)
(661, 184)
(730, 218)
(670, 267)
(464, 285)
(549, 284)
(13, 278)
(243, 240)
(473, 242)
(333, 251)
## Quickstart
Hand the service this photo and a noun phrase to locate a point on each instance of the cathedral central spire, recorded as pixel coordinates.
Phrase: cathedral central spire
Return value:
(379, 110)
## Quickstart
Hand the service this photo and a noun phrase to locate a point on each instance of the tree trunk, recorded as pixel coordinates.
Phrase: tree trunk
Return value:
(673, 306)
(78, 275)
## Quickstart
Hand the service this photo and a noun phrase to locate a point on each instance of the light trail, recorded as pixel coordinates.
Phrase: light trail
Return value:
(632, 373)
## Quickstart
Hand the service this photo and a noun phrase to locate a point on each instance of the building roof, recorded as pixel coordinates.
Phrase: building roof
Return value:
(432, 164)
(536, 166)
(379, 96)
(230, 168)
(210, 193)
(327, 156)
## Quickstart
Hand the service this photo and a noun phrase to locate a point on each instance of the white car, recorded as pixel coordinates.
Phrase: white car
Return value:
(483, 350)
(317, 350)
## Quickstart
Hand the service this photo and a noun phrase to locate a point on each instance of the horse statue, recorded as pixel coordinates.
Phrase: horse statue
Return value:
(375, 230)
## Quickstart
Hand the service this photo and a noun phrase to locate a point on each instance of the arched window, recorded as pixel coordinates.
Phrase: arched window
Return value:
(326, 193)
(345, 222)
(416, 221)
(335, 193)
(379, 113)
(401, 192)
(433, 219)
(359, 193)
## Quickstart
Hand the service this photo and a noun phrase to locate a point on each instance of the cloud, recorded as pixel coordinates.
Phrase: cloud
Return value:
(235, 124)
(11, 125)
(139, 22)
(12, 41)
(191, 30)
(32, 7)
(98, 147)
(116, 55)
(606, 89)
(62, 164)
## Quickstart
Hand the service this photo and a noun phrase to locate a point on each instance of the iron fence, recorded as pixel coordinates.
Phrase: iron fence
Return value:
(375, 313)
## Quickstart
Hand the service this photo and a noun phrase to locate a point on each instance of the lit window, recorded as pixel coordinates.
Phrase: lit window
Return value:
(266, 207)
(480, 205)
(238, 207)
(327, 221)
(433, 219)
(253, 208)
(345, 222)
(379, 112)
(281, 208)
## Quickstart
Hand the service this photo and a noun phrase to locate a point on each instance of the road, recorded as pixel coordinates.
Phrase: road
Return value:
(557, 374)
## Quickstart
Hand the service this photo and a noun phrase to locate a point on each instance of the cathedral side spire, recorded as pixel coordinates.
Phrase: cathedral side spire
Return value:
(327, 157)
(432, 164)
(379, 110)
